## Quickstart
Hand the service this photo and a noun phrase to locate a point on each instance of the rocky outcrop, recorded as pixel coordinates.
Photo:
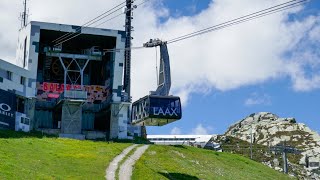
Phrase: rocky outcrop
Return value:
(270, 130)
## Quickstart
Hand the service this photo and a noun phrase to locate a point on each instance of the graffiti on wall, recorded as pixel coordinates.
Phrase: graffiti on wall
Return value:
(47, 91)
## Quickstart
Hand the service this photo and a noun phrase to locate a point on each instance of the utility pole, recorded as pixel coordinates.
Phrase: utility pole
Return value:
(284, 157)
(284, 149)
(127, 64)
(251, 143)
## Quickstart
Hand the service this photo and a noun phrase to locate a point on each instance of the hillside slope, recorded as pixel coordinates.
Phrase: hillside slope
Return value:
(31, 156)
(268, 129)
(181, 162)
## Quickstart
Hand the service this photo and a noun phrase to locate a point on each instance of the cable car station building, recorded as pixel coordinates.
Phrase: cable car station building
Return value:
(74, 90)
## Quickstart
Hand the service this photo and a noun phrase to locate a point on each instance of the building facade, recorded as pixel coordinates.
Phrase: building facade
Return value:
(201, 141)
(73, 89)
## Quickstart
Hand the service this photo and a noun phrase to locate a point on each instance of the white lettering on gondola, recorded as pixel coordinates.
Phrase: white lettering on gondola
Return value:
(140, 111)
(168, 111)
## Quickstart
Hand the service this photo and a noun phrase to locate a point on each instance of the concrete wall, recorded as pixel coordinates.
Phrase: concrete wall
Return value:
(14, 84)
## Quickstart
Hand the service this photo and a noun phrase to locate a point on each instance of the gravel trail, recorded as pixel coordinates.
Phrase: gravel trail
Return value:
(125, 172)
(111, 171)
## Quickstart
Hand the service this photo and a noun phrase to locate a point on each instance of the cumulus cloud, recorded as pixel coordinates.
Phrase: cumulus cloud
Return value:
(304, 60)
(200, 130)
(258, 99)
(175, 131)
(246, 54)
(250, 53)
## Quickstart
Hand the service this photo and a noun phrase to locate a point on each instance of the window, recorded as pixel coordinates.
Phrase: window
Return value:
(9, 75)
(25, 121)
(22, 80)
(314, 164)
(25, 53)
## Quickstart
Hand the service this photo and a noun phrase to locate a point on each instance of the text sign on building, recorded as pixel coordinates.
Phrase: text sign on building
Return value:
(8, 106)
(49, 90)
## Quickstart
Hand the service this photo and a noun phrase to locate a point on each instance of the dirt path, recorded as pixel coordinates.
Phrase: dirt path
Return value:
(126, 167)
(111, 171)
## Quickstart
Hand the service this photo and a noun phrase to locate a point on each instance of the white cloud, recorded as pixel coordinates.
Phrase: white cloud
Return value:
(200, 130)
(314, 33)
(175, 131)
(258, 99)
(304, 64)
(246, 54)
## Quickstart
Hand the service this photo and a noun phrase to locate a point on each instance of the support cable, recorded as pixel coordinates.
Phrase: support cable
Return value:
(78, 32)
(92, 21)
(242, 19)
(67, 37)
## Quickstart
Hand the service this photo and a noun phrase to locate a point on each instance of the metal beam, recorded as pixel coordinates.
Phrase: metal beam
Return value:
(74, 56)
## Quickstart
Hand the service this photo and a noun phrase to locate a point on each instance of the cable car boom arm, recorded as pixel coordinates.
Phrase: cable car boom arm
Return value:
(164, 83)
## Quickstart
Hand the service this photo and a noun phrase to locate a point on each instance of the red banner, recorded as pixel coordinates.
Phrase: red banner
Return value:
(53, 91)
(56, 87)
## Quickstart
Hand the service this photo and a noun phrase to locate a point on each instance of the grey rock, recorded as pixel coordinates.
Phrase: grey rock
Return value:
(269, 129)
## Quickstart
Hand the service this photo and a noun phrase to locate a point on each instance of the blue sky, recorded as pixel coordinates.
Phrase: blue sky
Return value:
(216, 110)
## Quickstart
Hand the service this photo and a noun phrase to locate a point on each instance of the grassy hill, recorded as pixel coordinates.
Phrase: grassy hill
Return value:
(32, 156)
(180, 162)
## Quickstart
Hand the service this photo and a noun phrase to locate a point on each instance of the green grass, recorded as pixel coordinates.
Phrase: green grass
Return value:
(34, 156)
(180, 162)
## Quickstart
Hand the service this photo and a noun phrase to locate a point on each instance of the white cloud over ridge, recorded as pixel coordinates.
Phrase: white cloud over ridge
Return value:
(258, 99)
(200, 130)
(254, 52)
(175, 131)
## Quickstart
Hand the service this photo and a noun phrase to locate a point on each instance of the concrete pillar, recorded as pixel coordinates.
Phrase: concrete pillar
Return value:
(119, 120)
(29, 108)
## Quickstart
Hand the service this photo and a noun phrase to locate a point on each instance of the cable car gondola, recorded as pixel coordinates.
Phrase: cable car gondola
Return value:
(158, 108)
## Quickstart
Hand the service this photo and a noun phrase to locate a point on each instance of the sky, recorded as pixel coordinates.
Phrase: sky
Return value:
(270, 64)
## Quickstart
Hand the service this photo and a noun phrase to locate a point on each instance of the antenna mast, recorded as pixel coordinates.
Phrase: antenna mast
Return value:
(24, 15)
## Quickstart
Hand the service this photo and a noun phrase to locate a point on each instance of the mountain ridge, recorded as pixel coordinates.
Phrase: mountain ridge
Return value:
(269, 130)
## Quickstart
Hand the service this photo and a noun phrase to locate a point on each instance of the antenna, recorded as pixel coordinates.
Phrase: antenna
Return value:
(24, 14)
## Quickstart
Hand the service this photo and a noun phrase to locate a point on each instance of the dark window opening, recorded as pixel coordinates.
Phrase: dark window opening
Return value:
(56, 117)
(20, 105)
(22, 80)
(25, 53)
(9, 75)
(102, 121)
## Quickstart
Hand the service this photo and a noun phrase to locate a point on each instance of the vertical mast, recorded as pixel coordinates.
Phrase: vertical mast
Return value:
(25, 13)
(127, 64)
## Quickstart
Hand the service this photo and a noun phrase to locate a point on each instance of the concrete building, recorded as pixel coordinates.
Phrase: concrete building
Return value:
(74, 90)
(202, 141)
